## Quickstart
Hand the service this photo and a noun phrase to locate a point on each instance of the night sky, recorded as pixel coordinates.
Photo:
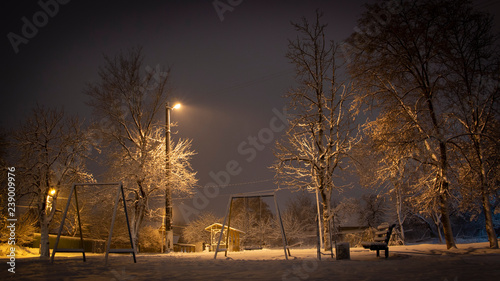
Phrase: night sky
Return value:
(229, 75)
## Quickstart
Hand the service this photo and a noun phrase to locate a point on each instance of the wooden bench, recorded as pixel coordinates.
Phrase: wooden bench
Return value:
(382, 237)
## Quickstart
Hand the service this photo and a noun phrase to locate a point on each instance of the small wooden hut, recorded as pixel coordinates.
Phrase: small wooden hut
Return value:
(234, 237)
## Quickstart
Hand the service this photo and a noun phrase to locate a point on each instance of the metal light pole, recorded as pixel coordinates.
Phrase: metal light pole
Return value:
(167, 222)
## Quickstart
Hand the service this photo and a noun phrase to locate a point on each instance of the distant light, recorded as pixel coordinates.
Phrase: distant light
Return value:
(177, 106)
(52, 192)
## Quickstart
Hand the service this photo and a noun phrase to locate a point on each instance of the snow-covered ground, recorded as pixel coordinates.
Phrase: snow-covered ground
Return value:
(474, 261)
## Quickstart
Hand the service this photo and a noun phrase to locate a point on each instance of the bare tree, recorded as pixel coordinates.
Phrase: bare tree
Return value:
(127, 102)
(299, 218)
(396, 60)
(52, 151)
(424, 68)
(320, 133)
(195, 230)
(473, 78)
(398, 192)
(385, 169)
(373, 210)
(254, 217)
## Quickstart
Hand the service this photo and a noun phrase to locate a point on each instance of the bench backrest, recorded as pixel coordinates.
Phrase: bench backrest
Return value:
(383, 233)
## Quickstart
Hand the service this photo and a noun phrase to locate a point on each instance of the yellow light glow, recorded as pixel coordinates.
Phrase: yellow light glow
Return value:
(52, 192)
(177, 106)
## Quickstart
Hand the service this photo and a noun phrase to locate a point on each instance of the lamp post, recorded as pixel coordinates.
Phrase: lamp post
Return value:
(167, 222)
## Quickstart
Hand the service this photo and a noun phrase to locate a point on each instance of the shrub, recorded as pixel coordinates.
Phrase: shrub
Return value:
(150, 240)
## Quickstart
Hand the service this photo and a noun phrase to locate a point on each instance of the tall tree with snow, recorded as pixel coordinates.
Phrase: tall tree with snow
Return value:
(128, 102)
(473, 79)
(416, 60)
(397, 66)
(320, 134)
(51, 151)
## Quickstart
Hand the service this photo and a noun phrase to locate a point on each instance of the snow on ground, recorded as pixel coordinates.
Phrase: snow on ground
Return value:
(474, 261)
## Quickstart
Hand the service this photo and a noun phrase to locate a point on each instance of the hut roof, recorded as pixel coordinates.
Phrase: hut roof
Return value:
(219, 226)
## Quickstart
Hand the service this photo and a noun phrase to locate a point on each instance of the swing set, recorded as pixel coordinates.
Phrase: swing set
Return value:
(119, 193)
(227, 219)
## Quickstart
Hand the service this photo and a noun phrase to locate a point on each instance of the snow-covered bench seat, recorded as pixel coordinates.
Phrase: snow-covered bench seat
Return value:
(382, 237)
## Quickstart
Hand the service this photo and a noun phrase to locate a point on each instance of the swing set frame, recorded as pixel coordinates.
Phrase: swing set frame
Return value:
(227, 219)
(108, 249)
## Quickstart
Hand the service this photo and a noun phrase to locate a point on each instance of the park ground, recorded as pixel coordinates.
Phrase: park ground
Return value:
(471, 261)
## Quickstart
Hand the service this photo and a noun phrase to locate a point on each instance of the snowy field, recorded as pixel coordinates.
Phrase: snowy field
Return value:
(474, 261)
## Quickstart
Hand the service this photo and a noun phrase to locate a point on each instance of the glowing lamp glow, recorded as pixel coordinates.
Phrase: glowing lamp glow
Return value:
(52, 192)
(177, 106)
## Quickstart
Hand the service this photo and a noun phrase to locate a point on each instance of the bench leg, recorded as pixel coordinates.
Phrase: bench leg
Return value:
(378, 255)
(387, 253)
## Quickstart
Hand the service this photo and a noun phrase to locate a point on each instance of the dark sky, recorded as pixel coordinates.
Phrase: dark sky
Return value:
(229, 74)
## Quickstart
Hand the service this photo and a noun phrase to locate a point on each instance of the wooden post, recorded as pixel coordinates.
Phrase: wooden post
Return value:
(223, 224)
(228, 224)
(283, 236)
(62, 224)
(108, 249)
(79, 223)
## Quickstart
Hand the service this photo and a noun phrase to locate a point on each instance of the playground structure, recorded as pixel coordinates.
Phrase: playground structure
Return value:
(119, 193)
(215, 230)
(227, 219)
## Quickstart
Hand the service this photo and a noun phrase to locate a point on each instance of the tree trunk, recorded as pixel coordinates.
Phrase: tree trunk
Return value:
(137, 222)
(488, 220)
(437, 222)
(443, 196)
(44, 236)
(135, 231)
(399, 203)
(326, 204)
(445, 220)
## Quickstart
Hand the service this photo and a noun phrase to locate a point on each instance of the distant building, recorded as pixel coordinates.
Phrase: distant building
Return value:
(234, 237)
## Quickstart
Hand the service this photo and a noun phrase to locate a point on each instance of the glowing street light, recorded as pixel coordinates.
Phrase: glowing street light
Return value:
(167, 222)
(50, 198)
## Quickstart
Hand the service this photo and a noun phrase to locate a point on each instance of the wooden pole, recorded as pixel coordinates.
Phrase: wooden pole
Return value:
(79, 223)
(283, 236)
(223, 224)
(62, 223)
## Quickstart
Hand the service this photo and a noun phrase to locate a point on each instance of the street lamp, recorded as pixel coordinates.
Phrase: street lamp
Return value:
(50, 198)
(167, 222)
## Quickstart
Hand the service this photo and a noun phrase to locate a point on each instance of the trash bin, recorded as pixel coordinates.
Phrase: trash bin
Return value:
(342, 251)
